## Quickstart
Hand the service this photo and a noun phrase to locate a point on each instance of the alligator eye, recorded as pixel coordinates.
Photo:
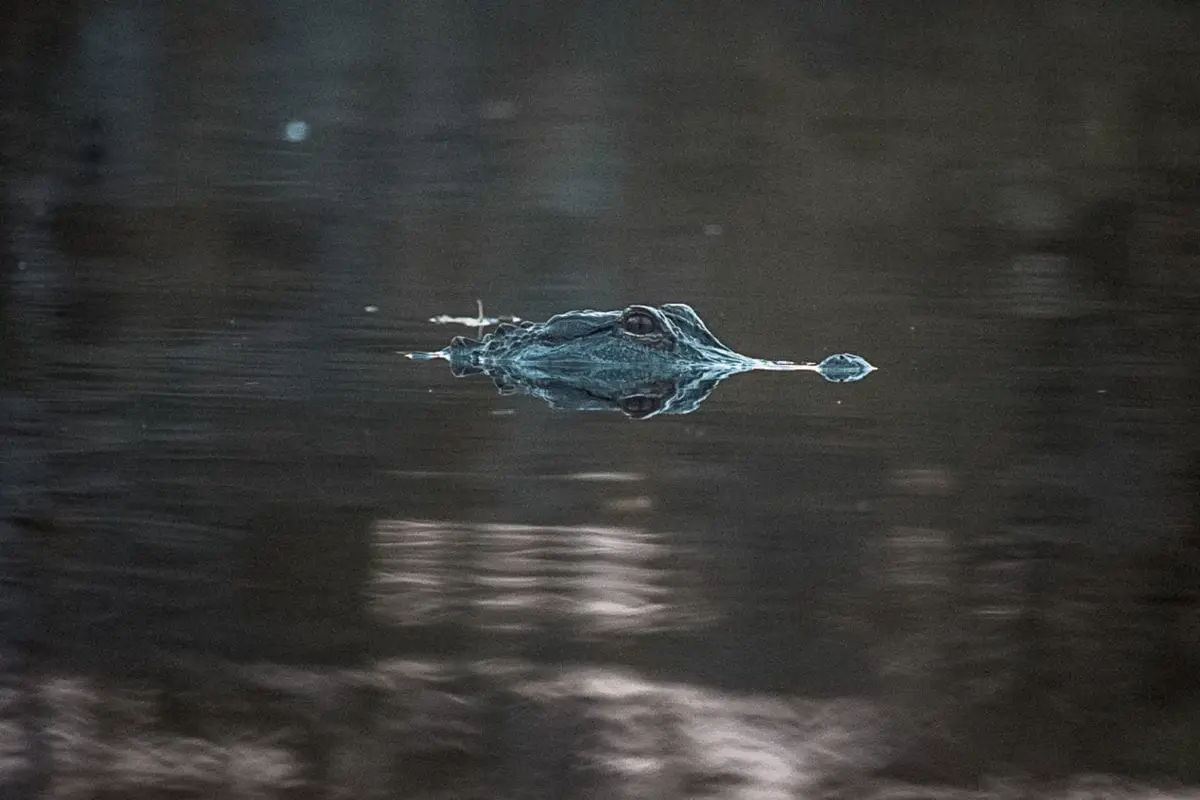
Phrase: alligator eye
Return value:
(640, 405)
(639, 323)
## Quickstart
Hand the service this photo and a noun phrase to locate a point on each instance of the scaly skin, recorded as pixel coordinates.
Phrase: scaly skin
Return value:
(636, 340)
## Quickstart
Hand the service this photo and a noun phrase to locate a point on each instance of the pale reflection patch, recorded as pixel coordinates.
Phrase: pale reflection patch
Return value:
(688, 740)
(596, 579)
(466, 729)
(111, 737)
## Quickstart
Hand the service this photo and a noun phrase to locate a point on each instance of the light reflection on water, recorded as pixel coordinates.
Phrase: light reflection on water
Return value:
(590, 580)
(588, 725)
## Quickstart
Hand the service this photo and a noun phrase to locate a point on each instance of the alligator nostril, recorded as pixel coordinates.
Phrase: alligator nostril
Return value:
(639, 323)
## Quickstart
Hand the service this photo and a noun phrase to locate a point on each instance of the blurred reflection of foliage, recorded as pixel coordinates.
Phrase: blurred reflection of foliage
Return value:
(593, 579)
(428, 729)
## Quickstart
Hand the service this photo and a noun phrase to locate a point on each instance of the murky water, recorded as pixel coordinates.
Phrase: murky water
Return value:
(251, 550)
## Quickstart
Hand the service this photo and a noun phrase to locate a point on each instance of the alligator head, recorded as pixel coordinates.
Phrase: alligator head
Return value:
(642, 360)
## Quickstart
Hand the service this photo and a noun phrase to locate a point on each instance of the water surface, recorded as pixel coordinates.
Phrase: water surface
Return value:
(247, 545)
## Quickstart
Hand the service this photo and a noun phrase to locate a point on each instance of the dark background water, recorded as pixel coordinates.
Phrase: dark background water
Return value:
(248, 550)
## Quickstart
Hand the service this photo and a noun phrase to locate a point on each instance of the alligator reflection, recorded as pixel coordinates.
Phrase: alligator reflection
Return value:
(641, 360)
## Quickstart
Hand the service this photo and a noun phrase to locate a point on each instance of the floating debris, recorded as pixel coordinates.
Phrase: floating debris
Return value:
(478, 321)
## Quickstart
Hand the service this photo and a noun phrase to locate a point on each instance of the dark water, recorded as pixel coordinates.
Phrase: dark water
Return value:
(248, 550)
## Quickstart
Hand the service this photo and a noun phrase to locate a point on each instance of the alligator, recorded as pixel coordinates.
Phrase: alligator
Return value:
(642, 360)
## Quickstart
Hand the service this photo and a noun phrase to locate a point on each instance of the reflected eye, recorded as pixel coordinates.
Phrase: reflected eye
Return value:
(640, 405)
(639, 323)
